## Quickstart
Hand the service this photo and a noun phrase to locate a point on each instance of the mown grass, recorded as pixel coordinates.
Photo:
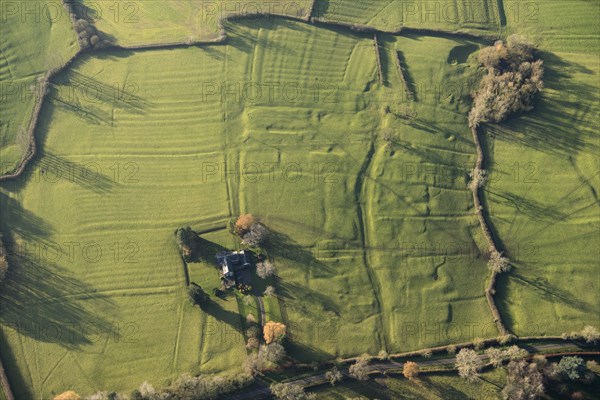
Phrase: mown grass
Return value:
(32, 43)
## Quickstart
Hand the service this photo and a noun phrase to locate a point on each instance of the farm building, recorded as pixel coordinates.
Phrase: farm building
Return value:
(234, 266)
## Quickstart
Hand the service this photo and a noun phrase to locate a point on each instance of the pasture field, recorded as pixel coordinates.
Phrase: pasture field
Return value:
(479, 16)
(543, 197)
(359, 171)
(32, 43)
(139, 23)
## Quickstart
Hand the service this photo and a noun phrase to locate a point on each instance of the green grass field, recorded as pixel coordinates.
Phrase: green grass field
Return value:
(480, 16)
(374, 235)
(32, 43)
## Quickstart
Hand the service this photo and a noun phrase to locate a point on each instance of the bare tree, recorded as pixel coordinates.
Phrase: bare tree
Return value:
(523, 382)
(359, 370)
(334, 376)
(265, 269)
(468, 364)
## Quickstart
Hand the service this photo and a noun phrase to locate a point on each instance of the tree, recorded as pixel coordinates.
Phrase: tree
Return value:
(590, 334)
(498, 263)
(334, 376)
(411, 370)
(523, 382)
(359, 370)
(187, 241)
(272, 331)
(496, 356)
(270, 291)
(272, 353)
(478, 178)
(572, 367)
(478, 343)
(196, 294)
(256, 235)
(451, 349)
(515, 353)
(290, 391)
(427, 353)
(265, 269)
(468, 364)
(243, 224)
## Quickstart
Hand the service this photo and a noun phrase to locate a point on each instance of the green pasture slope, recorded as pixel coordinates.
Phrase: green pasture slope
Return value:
(479, 16)
(155, 22)
(543, 197)
(363, 187)
(35, 38)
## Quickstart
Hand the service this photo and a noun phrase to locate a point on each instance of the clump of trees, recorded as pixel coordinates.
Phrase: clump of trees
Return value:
(411, 370)
(290, 391)
(88, 36)
(468, 364)
(514, 76)
(572, 367)
(197, 295)
(524, 381)
(360, 369)
(252, 232)
(265, 269)
(498, 356)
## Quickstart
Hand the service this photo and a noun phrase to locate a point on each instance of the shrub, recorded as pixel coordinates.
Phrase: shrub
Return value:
(590, 334)
(427, 353)
(334, 376)
(270, 291)
(205, 387)
(253, 343)
(359, 370)
(478, 343)
(468, 364)
(451, 349)
(252, 331)
(411, 370)
(187, 241)
(265, 269)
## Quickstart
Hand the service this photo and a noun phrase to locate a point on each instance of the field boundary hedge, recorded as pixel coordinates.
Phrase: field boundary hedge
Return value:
(487, 233)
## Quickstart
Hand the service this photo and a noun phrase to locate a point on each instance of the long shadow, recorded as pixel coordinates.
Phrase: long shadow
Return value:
(553, 293)
(547, 128)
(92, 91)
(233, 319)
(529, 207)
(311, 299)
(281, 245)
(405, 71)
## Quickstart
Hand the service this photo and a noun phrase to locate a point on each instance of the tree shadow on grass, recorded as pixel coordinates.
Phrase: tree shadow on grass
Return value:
(548, 127)
(232, 319)
(281, 245)
(527, 206)
(309, 299)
